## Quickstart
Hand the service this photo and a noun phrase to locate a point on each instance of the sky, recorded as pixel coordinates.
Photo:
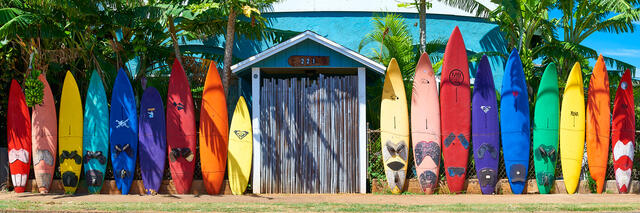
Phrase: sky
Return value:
(623, 46)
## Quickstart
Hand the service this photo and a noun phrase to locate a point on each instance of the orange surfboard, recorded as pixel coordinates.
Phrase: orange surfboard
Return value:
(214, 131)
(598, 123)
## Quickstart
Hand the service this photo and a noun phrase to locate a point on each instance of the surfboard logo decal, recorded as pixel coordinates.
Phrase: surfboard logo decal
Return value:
(241, 134)
(623, 85)
(122, 123)
(485, 109)
(150, 112)
(456, 77)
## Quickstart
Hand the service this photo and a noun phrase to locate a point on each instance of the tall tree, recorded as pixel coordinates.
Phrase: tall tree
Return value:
(391, 38)
(230, 8)
(421, 6)
(580, 19)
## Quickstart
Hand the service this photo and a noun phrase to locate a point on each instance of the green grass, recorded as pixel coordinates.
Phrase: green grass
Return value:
(307, 207)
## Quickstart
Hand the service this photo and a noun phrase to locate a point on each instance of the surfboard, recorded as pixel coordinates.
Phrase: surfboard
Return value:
(153, 143)
(515, 131)
(455, 111)
(425, 125)
(572, 126)
(70, 129)
(214, 131)
(394, 128)
(598, 123)
(623, 133)
(18, 137)
(485, 128)
(96, 134)
(44, 129)
(123, 132)
(546, 122)
(240, 148)
(181, 130)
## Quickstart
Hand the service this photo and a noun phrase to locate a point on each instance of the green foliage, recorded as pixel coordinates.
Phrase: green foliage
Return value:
(33, 89)
(391, 38)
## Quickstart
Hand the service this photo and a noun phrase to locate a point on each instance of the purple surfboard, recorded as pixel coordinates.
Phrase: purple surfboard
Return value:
(485, 128)
(153, 143)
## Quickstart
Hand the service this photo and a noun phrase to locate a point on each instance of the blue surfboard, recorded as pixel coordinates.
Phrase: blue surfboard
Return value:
(514, 125)
(153, 140)
(96, 134)
(123, 132)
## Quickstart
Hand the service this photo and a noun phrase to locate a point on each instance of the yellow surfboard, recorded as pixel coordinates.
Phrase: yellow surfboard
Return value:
(572, 127)
(70, 134)
(240, 148)
(394, 128)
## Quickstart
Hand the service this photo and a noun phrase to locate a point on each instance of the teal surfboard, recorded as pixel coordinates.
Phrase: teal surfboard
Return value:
(96, 134)
(546, 120)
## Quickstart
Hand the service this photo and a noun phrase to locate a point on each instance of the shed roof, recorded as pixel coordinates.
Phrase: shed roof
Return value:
(309, 35)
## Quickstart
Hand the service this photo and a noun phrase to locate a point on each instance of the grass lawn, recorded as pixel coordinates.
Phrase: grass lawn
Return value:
(278, 207)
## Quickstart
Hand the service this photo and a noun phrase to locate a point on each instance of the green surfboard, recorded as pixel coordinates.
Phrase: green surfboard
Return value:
(545, 129)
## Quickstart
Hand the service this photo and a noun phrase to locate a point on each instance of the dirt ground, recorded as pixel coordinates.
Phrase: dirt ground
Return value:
(339, 198)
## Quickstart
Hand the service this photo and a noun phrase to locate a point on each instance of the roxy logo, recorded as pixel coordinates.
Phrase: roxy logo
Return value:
(456, 77)
(241, 134)
(485, 109)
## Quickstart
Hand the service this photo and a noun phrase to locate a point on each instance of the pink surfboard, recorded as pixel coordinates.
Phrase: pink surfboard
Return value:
(44, 125)
(425, 125)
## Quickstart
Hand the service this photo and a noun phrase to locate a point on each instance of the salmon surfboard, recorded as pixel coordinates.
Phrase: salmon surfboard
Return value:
(425, 125)
(485, 128)
(181, 130)
(455, 111)
(546, 122)
(240, 148)
(96, 134)
(598, 123)
(44, 129)
(18, 137)
(153, 144)
(515, 131)
(394, 128)
(214, 131)
(123, 132)
(623, 133)
(572, 126)
(70, 127)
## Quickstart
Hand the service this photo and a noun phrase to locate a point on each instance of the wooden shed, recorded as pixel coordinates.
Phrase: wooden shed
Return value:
(307, 97)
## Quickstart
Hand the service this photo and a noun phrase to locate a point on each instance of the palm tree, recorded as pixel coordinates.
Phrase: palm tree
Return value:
(580, 19)
(391, 38)
(254, 29)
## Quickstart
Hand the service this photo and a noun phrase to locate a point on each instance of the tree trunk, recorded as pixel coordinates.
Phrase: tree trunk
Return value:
(174, 39)
(422, 11)
(228, 50)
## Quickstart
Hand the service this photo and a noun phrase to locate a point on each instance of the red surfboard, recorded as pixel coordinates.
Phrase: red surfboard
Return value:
(18, 137)
(181, 129)
(623, 133)
(455, 111)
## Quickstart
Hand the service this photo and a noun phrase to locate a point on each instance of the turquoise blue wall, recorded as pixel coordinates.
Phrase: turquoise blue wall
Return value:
(348, 29)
